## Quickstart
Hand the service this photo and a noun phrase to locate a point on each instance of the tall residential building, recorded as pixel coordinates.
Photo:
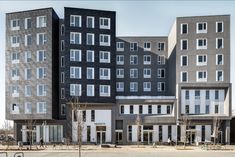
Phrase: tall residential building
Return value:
(126, 89)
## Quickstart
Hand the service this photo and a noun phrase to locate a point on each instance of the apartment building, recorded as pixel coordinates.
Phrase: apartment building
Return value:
(125, 89)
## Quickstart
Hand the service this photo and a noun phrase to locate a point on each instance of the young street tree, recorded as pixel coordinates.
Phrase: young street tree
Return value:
(217, 133)
(6, 130)
(186, 125)
(30, 128)
(138, 124)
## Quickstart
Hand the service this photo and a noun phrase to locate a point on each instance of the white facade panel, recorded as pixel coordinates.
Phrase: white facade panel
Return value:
(126, 109)
(173, 133)
(155, 133)
(198, 133)
(207, 133)
(145, 109)
(164, 133)
(134, 133)
(136, 109)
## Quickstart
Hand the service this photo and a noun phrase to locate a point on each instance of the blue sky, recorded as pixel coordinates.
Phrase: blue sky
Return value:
(134, 18)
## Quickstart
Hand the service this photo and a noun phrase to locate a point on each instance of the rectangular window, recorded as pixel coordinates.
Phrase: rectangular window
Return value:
(75, 72)
(147, 46)
(41, 55)
(133, 86)
(147, 59)
(104, 74)
(130, 133)
(41, 107)
(41, 73)
(207, 109)
(187, 109)
(90, 90)
(133, 46)
(131, 109)
(202, 27)
(62, 29)
(161, 73)
(219, 43)
(15, 25)
(75, 89)
(219, 59)
(90, 73)
(88, 134)
(216, 95)
(161, 46)
(120, 86)
(28, 91)
(62, 77)
(90, 39)
(75, 38)
(122, 109)
(207, 95)
(105, 40)
(104, 57)
(133, 59)
(120, 59)
(201, 60)
(27, 57)
(160, 133)
(28, 108)
(105, 23)
(149, 109)
(147, 86)
(28, 40)
(15, 57)
(161, 86)
(219, 75)
(105, 91)
(15, 74)
(62, 93)
(41, 21)
(197, 109)
(184, 28)
(75, 21)
(161, 60)
(41, 38)
(120, 73)
(201, 44)
(159, 109)
(186, 95)
(147, 73)
(27, 23)
(201, 76)
(75, 55)
(15, 91)
(197, 94)
(203, 133)
(62, 61)
(84, 116)
(41, 90)
(15, 41)
(184, 44)
(168, 109)
(184, 76)
(133, 73)
(62, 45)
(219, 27)
(120, 46)
(90, 56)
(28, 74)
(216, 109)
(63, 109)
(90, 23)
(184, 60)
(140, 109)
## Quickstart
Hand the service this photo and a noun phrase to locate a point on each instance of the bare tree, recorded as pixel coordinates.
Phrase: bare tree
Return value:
(186, 122)
(30, 128)
(217, 133)
(138, 123)
(6, 130)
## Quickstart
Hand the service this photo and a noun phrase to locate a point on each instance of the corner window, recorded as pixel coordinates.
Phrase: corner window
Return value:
(202, 27)
(75, 21)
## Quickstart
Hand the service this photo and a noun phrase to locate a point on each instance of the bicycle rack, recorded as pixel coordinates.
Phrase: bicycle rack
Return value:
(19, 154)
(6, 155)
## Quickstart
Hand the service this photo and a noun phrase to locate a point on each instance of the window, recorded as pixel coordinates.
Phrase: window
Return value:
(201, 60)
(75, 38)
(28, 91)
(216, 109)
(90, 23)
(27, 23)
(184, 44)
(90, 56)
(83, 116)
(207, 109)
(219, 59)
(41, 73)
(186, 95)
(27, 57)
(161, 60)
(168, 109)
(28, 39)
(62, 45)
(120, 46)
(187, 109)
(207, 95)
(62, 29)
(75, 72)
(105, 90)
(219, 75)
(75, 21)
(41, 55)
(120, 86)
(104, 23)
(15, 74)
(120, 73)
(90, 90)
(133, 73)
(184, 76)
(201, 44)
(219, 27)
(161, 46)
(15, 24)
(147, 86)
(201, 76)
(122, 109)
(147, 46)
(41, 90)
(161, 86)
(75, 55)
(41, 107)
(149, 109)
(184, 60)
(15, 57)
(75, 90)
(90, 39)
(184, 28)
(202, 27)
(41, 38)
(90, 73)
(129, 133)
(159, 109)
(104, 40)
(219, 43)
(197, 109)
(140, 109)
(62, 77)
(104, 57)
(27, 108)
(15, 41)
(120, 59)
(131, 109)
(63, 109)
(197, 94)
(133, 86)
(41, 21)
(216, 95)
(62, 61)
(169, 131)
(15, 91)
(133, 59)
(134, 46)
(147, 59)
(161, 73)
(104, 74)
(62, 93)
(28, 74)
(147, 73)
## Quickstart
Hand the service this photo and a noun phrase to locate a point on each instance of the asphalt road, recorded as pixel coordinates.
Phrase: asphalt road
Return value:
(128, 154)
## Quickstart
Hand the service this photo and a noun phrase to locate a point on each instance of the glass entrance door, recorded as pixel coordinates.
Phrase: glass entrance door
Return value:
(100, 134)
(148, 137)
(119, 137)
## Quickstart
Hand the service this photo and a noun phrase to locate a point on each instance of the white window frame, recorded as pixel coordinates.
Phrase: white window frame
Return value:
(27, 91)
(159, 86)
(161, 60)
(72, 20)
(132, 86)
(119, 72)
(204, 58)
(92, 55)
(147, 86)
(102, 42)
(72, 37)
(27, 56)
(15, 71)
(120, 59)
(62, 93)
(73, 55)
(146, 72)
(43, 55)
(132, 73)
(204, 46)
(160, 46)
(17, 41)
(217, 56)
(217, 72)
(181, 44)
(102, 25)
(44, 107)
(102, 59)
(204, 79)
(184, 72)
(93, 38)
(92, 73)
(44, 38)
(93, 21)
(182, 60)
(26, 74)
(26, 39)
(181, 28)
(62, 46)
(146, 48)
(120, 46)
(73, 88)
(16, 59)
(44, 90)
(102, 72)
(132, 46)
(62, 77)
(159, 72)
(92, 88)
(217, 26)
(217, 39)
(15, 91)
(44, 21)
(145, 58)
(72, 72)
(26, 109)
(17, 27)
(102, 91)
(204, 30)
(120, 87)
(132, 59)
(26, 23)
(43, 73)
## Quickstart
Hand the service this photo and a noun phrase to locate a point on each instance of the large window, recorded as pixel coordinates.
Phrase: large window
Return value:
(90, 39)
(133, 46)
(133, 59)
(75, 55)
(120, 73)
(104, 73)
(202, 43)
(41, 38)
(147, 46)
(120, 59)
(75, 90)
(201, 76)
(41, 107)
(120, 46)
(161, 73)
(219, 27)
(161, 46)
(41, 55)
(75, 20)
(15, 57)
(41, 73)
(147, 73)
(202, 27)
(104, 57)
(90, 56)
(184, 60)
(133, 73)
(75, 38)
(105, 91)
(219, 75)
(90, 90)
(15, 24)
(41, 21)
(104, 23)
(201, 60)
(90, 23)
(133, 86)
(147, 86)
(219, 43)
(75, 72)
(161, 86)
(90, 73)
(41, 90)
(104, 40)
(15, 41)
(120, 86)
(184, 28)
(161, 60)
(147, 59)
